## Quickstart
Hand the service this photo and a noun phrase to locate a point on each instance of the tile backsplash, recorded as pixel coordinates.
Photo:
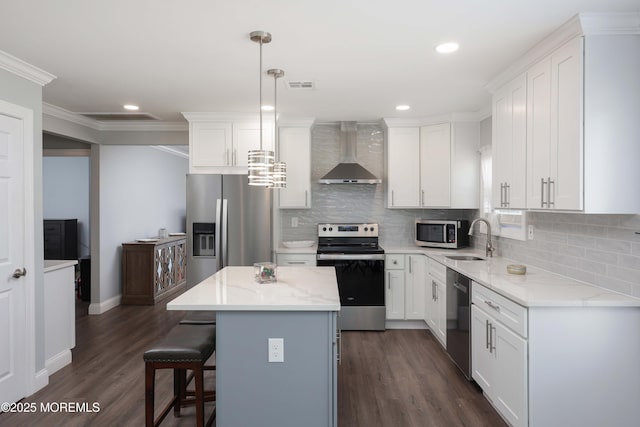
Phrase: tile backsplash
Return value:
(354, 202)
(603, 250)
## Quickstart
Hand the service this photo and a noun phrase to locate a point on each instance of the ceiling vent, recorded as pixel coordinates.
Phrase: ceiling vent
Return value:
(301, 84)
(120, 117)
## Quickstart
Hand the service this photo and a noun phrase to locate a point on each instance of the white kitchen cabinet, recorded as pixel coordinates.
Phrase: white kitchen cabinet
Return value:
(394, 298)
(293, 260)
(499, 354)
(509, 145)
(294, 148)
(435, 312)
(403, 167)
(415, 277)
(220, 143)
(582, 126)
(432, 166)
(435, 165)
(554, 130)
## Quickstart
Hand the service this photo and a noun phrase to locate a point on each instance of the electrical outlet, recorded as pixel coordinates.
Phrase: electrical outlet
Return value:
(294, 221)
(276, 349)
(530, 230)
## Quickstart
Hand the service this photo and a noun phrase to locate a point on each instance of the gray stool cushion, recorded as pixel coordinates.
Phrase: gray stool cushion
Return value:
(199, 318)
(184, 343)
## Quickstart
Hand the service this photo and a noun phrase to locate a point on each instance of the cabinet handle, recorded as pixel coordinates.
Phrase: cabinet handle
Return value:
(410, 264)
(492, 305)
(422, 202)
(542, 202)
(339, 339)
(306, 193)
(549, 202)
(298, 263)
(507, 194)
(434, 285)
(492, 341)
(487, 334)
(235, 157)
(226, 155)
(502, 184)
(392, 202)
(389, 280)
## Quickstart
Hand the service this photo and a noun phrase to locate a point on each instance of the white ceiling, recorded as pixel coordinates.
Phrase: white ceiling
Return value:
(365, 56)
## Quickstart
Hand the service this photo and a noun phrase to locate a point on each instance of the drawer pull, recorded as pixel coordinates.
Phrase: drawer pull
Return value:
(492, 305)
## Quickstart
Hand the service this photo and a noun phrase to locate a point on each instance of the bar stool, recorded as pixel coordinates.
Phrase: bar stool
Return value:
(185, 347)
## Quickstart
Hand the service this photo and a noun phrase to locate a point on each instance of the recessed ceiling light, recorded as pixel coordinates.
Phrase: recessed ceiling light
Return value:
(402, 107)
(448, 47)
(267, 108)
(131, 107)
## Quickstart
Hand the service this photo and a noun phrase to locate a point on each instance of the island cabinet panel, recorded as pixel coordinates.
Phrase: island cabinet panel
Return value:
(300, 391)
(152, 271)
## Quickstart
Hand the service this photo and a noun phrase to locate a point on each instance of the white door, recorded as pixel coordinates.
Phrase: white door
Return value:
(394, 301)
(13, 348)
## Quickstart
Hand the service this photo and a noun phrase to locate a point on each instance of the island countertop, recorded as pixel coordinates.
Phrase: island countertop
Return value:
(234, 289)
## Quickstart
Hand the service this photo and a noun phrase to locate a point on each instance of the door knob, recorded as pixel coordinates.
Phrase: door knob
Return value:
(19, 273)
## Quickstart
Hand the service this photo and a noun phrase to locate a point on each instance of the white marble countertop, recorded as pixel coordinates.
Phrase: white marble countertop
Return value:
(234, 289)
(55, 264)
(537, 288)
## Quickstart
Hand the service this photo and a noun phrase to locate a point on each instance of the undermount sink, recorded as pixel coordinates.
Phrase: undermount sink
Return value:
(464, 257)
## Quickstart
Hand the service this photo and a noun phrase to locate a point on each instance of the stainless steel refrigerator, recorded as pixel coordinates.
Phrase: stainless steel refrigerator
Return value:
(228, 223)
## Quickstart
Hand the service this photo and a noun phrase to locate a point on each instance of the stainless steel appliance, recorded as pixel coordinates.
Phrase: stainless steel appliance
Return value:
(459, 320)
(359, 262)
(228, 223)
(436, 233)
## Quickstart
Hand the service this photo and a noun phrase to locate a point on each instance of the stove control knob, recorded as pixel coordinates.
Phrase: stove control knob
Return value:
(330, 228)
(366, 229)
(324, 228)
(371, 229)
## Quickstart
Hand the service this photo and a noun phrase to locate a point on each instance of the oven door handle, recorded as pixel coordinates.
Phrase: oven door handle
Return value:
(350, 257)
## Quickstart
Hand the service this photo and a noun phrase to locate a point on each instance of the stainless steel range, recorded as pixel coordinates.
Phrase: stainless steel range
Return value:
(359, 262)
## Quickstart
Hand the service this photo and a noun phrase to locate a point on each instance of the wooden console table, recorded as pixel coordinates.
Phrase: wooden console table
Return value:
(152, 271)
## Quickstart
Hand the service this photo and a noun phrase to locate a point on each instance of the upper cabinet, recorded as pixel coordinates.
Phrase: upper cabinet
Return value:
(220, 143)
(432, 166)
(294, 148)
(581, 104)
(509, 144)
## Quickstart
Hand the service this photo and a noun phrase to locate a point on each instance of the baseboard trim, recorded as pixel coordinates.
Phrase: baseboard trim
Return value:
(103, 307)
(40, 380)
(58, 361)
(406, 324)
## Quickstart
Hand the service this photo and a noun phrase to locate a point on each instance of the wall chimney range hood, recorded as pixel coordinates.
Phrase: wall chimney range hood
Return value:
(348, 171)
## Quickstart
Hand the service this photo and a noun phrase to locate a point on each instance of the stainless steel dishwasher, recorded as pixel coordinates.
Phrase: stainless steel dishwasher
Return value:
(459, 320)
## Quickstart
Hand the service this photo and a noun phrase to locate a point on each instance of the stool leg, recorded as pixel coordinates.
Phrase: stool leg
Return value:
(179, 389)
(199, 378)
(149, 386)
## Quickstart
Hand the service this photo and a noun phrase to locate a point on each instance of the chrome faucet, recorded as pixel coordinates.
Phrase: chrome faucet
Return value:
(489, 249)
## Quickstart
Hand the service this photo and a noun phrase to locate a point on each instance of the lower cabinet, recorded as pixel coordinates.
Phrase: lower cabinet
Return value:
(499, 365)
(404, 280)
(435, 297)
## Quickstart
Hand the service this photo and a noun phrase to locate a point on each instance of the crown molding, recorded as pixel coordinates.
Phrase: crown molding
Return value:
(582, 24)
(25, 70)
(223, 117)
(69, 116)
(296, 122)
(475, 116)
(172, 151)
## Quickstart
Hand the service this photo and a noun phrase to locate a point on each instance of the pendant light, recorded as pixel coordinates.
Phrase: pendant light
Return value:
(279, 168)
(260, 163)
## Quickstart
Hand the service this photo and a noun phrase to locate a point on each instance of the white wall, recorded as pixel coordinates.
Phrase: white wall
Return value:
(66, 194)
(142, 189)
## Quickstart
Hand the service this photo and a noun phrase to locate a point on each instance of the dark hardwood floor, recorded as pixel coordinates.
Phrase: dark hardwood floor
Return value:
(397, 378)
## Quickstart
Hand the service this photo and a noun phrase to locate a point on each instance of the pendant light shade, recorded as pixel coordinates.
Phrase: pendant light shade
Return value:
(260, 162)
(279, 168)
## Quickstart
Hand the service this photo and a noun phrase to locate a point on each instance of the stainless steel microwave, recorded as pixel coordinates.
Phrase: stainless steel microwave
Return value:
(435, 233)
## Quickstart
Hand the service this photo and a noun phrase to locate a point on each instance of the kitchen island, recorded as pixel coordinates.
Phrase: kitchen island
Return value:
(301, 309)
